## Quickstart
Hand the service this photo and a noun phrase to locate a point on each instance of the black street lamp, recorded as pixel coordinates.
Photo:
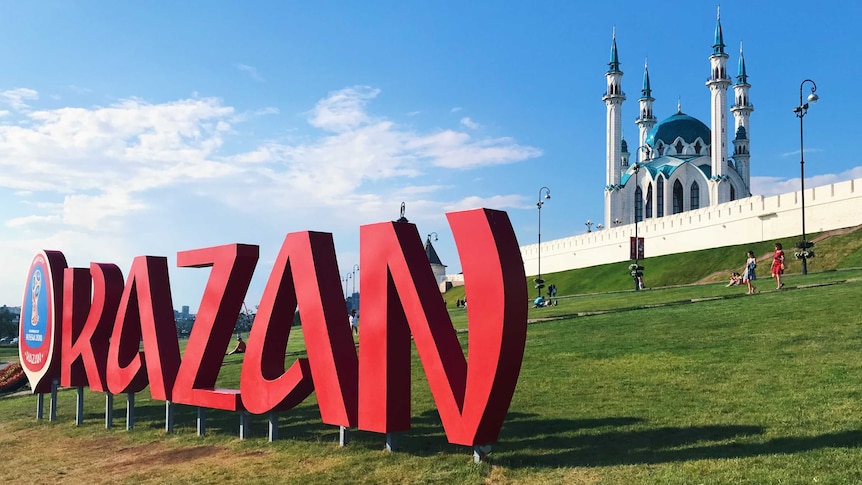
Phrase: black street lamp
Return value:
(540, 283)
(804, 245)
(635, 269)
(352, 295)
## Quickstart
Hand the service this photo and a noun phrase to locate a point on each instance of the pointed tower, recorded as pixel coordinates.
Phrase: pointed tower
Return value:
(437, 266)
(646, 120)
(741, 111)
(719, 189)
(613, 99)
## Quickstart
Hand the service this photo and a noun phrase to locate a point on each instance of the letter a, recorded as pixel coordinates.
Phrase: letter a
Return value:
(306, 275)
(146, 314)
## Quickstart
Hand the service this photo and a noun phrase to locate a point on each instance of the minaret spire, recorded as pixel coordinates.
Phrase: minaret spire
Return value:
(615, 60)
(742, 76)
(718, 45)
(645, 120)
(718, 83)
(646, 91)
(741, 112)
(613, 98)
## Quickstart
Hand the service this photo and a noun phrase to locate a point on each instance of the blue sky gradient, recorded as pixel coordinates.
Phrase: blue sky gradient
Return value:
(152, 127)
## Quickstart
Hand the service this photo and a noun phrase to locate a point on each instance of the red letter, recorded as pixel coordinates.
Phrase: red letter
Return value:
(305, 271)
(233, 267)
(146, 313)
(87, 326)
(399, 289)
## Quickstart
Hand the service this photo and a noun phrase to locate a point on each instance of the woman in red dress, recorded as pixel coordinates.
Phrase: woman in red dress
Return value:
(778, 265)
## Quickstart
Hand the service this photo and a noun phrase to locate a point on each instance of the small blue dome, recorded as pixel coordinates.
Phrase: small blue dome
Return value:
(678, 125)
(625, 146)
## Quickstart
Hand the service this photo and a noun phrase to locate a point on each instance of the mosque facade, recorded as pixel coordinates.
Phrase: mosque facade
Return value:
(680, 163)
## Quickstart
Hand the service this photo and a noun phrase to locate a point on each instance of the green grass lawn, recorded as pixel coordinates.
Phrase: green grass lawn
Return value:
(681, 383)
(658, 389)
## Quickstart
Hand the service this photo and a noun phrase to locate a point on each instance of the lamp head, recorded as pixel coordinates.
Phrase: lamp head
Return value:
(548, 195)
(813, 98)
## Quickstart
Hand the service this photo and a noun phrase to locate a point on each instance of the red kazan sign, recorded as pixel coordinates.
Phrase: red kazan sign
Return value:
(84, 326)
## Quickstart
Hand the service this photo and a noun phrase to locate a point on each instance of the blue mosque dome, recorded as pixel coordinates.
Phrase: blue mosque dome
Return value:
(678, 125)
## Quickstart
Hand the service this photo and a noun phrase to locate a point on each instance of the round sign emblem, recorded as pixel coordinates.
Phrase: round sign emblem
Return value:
(38, 326)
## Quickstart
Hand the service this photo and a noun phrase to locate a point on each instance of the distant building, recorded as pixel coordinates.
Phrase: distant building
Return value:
(679, 164)
(444, 281)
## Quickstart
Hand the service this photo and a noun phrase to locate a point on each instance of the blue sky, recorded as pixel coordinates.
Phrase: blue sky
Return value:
(132, 128)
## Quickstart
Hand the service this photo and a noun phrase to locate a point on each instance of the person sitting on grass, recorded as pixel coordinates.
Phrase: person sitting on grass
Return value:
(240, 347)
(539, 302)
(735, 279)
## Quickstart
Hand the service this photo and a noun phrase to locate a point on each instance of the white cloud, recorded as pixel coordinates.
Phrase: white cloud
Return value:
(251, 71)
(16, 97)
(343, 110)
(112, 182)
(466, 121)
(455, 109)
(768, 186)
(499, 202)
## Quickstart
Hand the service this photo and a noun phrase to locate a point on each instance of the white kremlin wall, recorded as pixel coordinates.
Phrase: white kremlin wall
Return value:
(753, 219)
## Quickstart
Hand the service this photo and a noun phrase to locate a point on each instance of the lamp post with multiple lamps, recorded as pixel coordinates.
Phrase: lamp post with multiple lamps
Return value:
(352, 295)
(589, 225)
(635, 269)
(540, 283)
(804, 246)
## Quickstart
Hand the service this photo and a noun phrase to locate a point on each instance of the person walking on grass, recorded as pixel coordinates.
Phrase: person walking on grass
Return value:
(778, 266)
(749, 274)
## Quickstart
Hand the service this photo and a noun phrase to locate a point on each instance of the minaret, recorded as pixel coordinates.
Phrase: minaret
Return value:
(613, 99)
(646, 120)
(719, 190)
(741, 111)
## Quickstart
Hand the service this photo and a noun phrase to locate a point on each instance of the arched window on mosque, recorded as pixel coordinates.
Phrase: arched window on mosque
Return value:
(732, 193)
(659, 195)
(639, 205)
(695, 196)
(649, 201)
(677, 197)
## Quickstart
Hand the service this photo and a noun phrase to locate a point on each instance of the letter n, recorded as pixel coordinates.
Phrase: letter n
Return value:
(87, 324)
(400, 295)
(305, 275)
(146, 314)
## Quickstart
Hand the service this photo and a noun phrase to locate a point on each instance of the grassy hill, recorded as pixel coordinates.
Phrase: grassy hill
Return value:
(686, 383)
(834, 250)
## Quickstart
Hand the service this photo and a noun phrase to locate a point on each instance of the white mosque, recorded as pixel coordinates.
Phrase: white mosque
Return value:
(680, 164)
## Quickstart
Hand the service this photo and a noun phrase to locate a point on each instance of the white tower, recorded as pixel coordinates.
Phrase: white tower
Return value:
(741, 111)
(645, 120)
(613, 99)
(719, 188)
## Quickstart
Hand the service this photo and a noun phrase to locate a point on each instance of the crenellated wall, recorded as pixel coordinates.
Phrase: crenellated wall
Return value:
(753, 219)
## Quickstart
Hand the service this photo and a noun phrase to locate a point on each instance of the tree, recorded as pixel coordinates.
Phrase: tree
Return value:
(8, 322)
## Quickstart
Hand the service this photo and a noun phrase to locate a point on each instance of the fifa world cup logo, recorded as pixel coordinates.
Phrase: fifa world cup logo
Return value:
(35, 291)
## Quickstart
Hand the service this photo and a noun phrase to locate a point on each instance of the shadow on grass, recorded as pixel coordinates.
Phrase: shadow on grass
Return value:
(528, 442)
